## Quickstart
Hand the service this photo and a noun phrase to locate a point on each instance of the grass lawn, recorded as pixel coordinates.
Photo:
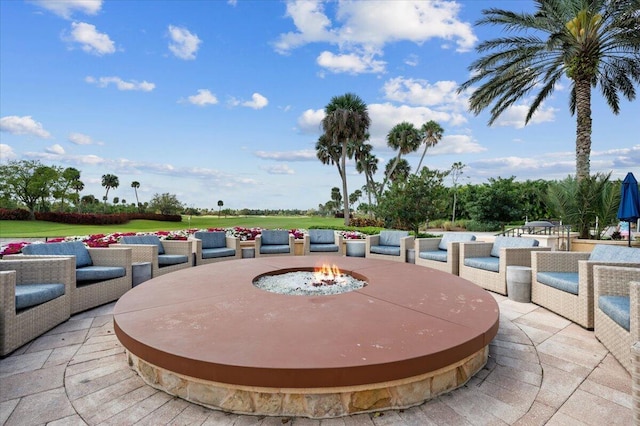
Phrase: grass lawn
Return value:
(37, 229)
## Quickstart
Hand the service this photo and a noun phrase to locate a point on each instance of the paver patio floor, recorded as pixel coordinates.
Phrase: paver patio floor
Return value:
(542, 369)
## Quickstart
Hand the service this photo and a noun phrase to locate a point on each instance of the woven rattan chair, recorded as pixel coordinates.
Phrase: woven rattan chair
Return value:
(323, 242)
(275, 242)
(165, 255)
(389, 245)
(562, 281)
(442, 253)
(215, 246)
(615, 288)
(503, 252)
(30, 299)
(635, 381)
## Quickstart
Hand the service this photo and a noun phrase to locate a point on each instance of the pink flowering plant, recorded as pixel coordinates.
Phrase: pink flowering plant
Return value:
(353, 235)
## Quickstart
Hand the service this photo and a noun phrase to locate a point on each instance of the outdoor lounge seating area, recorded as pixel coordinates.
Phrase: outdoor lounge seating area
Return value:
(215, 246)
(165, 255)
(274, 243)
(323, 242)
(389, 245)
(442, 253)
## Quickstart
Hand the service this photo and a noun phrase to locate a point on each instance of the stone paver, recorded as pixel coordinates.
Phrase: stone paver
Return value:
(542, 370)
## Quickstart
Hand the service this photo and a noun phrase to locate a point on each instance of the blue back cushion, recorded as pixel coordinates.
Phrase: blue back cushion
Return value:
(321, 236)
(607, 253)
(392, 238)
(455, 237)
(272, 236)
(66, 248)
(511, 242)
(214, 239)
(144, 239)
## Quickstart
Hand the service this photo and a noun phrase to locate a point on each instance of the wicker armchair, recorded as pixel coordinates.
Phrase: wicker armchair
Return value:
(165, 255)
(275, 242)
(389, 245)
(30, 299)
(563, 281)
(617, 289)
(323, 242)
(215, 246)
(442, 253)
(485, 263)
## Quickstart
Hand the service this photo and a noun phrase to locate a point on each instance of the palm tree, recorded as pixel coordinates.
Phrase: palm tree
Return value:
(346, 122)
(366, 163)
(220, 204)
(400, 172)
(135, 185)
(109, 181)
(431, 135)
(77, 186)
(405, 138)
(593, 42)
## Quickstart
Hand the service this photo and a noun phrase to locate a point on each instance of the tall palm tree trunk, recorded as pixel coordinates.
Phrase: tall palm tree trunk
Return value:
(343, 175)
(583, 128)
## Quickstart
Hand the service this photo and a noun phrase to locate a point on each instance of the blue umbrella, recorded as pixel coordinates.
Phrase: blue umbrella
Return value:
(629, 209)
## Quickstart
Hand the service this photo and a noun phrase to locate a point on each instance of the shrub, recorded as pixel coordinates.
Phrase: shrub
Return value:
(475, 226)
(14, 214)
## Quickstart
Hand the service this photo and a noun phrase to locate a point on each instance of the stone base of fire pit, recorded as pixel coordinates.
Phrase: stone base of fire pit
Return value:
(208, 335)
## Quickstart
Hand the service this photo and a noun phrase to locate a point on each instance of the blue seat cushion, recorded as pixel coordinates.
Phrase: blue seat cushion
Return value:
(325, 248)
(607, 253)
(387, 250)
(565, 281)
(274, 237)
(454, 237)
(322, 236)
(392, 238)
(510, 242)
(66, 248)
(275, 249)
(28, 295)
(437, 255)
(486, 263)
(171, 259)
(212, 253)
(99, 273)
(618, 308)
(211, 240)
(143, 239)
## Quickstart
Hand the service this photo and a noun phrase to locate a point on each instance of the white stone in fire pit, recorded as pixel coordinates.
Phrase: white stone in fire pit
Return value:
(306, 283)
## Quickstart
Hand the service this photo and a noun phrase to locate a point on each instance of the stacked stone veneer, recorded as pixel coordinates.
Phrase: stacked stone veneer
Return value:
(312, 402)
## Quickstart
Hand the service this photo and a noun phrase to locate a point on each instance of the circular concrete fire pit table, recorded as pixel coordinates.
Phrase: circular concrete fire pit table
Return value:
(208, 335)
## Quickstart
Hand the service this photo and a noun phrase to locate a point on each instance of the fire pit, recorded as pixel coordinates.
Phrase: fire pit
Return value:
(324, 280)
(209, 335)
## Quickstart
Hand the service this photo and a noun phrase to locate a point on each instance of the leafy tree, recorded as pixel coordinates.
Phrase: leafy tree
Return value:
(593, 42)
(135, 185)
(400, 171)
(109, 181)
(166, 204)
(405, 138)
(431, 133)
(346, 121)
(64, 183)
(455, 173)
(28, 181)
(409, 203)
(220, 204)
(355, 196)
(497, 202)
(77, 186)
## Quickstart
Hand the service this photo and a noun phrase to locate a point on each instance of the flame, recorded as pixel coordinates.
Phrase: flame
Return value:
(327, 272)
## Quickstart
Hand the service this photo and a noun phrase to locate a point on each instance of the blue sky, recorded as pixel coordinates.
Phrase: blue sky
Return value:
(222, 100)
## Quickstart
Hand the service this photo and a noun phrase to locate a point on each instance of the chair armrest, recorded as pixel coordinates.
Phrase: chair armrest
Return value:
(426, 244)
(38, 269)
(292, 241)
(116, 256)
(233, 242)
(306, 243)
(518, 256)
(634, 290)
(614, 280)
(372, 240)
(141, 252)
(475, 249)
(557, 261)
(339, 241)
(183, 247)
(406, 243)
(258, 243)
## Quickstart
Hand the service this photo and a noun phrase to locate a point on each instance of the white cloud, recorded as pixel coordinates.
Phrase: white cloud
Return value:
(66, 8)
(311, 121)
(183, 43)
(23, 126)
(310, 21)
(6, 153)
(90, 40)
(279, 169)
(203, 98)
(143, 86)
(80, 139)
(301, 155)
(55, 149)
(351, 63)
(455, 144)
(257, 101)
(515, 115)
(412, 60)
(421, 92)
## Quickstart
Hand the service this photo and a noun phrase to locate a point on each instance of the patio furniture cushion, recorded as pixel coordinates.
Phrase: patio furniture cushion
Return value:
(99, 273)
(386, 249)
(275, 237)
(143, 239)
(510, 242)
(323, 247)
(274, 248)
(321, 236)
(618, 308)
(66, 248)
(28, 295)
(171, 259)
(565, 281)
(212, 240)
(454, 237)
(486, 263)
(391, 238)
(211, 253)
(438, 255)
(608, 253)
